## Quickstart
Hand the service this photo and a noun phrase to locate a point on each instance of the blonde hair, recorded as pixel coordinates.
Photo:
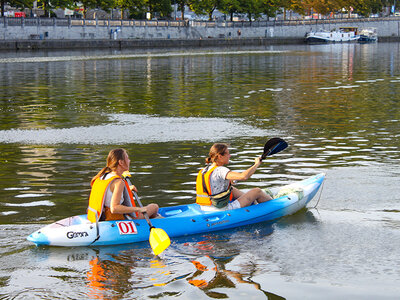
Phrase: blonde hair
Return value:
(215, 150)
(113, 158)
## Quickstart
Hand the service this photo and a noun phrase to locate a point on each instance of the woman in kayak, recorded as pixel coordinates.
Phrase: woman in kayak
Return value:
(214, 183)
(111, 192)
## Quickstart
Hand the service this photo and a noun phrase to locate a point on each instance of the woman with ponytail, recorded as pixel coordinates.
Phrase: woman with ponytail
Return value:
(214, 183)
(111, 197)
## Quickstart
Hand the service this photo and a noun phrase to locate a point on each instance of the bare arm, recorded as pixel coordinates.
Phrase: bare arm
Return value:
(116, 207)
(245, 174)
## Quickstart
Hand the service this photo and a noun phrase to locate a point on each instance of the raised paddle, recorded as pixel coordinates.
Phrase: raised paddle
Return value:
(159, 239)
(273, 146)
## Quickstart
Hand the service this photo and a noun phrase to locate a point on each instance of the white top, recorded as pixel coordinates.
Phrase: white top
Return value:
(218, 181)
(107, 200)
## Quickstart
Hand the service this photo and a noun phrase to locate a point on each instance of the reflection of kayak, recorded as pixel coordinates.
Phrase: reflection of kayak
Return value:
(177, 221)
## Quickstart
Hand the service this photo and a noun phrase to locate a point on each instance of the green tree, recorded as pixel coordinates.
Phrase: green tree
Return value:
(324, 7)
(253, 8)
(230, 7)
(49, 5)
(366, 7)
(137, 8)
(181, 6)
(162, 7)
(105, 5)
(270, 7)
(2, 3)
(204, 7)
(296, 6)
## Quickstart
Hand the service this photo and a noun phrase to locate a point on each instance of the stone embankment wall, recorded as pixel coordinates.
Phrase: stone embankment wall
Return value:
(68, 33)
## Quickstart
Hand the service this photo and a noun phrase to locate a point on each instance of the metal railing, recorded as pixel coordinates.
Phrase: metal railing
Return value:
(5, 21)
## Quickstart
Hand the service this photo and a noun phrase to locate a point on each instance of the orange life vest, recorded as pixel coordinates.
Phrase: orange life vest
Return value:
(203, 187)
(96, 200)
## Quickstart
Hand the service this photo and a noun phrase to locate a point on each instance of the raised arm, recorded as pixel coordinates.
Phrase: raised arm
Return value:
(245, 174)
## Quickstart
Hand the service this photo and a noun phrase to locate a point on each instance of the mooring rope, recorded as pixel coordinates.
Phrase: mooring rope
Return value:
(322, 187)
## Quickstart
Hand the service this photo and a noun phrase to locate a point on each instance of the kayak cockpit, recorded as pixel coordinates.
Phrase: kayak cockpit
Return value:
(70, 221)
(180, 211)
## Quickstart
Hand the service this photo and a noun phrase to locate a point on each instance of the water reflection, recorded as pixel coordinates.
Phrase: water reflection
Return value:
(336, 105)
(216, 281)
(199, 261)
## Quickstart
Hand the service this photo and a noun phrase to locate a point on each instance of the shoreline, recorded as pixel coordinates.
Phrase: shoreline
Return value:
(49, 44)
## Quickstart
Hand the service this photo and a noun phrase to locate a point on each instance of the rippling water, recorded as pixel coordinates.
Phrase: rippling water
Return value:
(336, 105)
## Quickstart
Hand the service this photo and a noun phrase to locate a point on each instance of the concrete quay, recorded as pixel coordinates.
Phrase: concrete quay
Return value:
(141, 43)
(28, 34)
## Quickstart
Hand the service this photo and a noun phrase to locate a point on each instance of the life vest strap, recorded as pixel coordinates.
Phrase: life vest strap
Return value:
(203, 196)
(205, 189)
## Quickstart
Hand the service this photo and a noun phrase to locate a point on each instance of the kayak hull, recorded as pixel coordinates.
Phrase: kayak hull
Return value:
(177, 221)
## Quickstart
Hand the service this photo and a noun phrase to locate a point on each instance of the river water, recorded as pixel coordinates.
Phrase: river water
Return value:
(338, 107)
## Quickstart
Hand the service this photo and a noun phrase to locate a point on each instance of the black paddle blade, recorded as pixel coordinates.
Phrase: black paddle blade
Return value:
(273, 146)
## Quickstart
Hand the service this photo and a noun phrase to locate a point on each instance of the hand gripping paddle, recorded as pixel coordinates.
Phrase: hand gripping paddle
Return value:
(273, 146)
(159, 239)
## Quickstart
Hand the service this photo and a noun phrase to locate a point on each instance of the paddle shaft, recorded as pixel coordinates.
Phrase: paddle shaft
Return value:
(144, 213)
(158, 238)
(140, 204)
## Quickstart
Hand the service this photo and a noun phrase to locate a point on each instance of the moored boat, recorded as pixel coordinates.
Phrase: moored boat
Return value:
(344, 34)
(177, 221)
(368, 35)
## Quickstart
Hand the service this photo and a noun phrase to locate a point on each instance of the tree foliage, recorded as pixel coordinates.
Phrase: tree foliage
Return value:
(205, 7)
(252, 8)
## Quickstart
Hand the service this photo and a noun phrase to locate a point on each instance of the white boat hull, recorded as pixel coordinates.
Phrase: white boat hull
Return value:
(331, 37)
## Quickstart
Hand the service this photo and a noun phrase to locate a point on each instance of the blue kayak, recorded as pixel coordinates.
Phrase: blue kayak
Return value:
(178, 220)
